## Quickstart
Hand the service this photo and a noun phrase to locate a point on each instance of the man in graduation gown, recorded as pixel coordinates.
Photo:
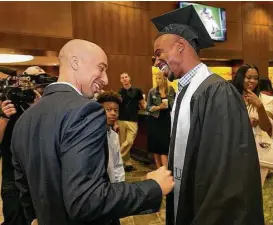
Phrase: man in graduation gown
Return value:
(60, 156)
(213, 154)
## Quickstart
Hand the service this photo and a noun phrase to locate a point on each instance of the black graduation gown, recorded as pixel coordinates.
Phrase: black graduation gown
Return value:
(220, 182)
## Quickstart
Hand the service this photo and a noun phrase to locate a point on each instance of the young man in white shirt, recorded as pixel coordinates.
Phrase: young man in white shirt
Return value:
(111, 101)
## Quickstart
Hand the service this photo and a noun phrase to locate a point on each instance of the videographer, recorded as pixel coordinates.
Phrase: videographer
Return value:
(12, 209)
(11, 110)
(8, 110)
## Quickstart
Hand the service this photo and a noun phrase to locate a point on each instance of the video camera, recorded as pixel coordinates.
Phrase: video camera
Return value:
(19, 88)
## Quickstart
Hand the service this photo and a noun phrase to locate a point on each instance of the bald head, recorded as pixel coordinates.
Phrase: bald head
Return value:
(83, 64)
(78, 47)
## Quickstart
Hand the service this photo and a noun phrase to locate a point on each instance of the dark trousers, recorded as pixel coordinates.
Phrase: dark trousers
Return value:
(12, 209)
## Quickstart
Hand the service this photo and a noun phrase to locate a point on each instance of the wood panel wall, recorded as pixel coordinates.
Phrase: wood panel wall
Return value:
(124, 31)
(257, 23)
(37, 18)
(35, 25)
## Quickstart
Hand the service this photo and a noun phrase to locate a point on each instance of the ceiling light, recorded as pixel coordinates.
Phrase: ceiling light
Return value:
(14, 58)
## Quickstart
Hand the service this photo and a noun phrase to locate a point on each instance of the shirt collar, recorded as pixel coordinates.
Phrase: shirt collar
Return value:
(186, 79)
(109, 128)
(68, 85)
(130, 88)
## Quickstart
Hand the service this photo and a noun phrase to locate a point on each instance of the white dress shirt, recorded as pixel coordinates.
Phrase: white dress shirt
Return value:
(115, 164)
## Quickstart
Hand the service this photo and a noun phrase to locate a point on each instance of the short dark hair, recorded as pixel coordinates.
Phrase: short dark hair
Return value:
(239, 78)
(124, 73)
(265, 85)
(109, 96)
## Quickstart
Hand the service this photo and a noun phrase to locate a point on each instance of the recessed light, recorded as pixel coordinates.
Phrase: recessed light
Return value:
(14, 58)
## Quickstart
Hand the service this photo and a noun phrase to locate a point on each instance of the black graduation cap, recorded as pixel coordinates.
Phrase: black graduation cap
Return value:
(185, 23)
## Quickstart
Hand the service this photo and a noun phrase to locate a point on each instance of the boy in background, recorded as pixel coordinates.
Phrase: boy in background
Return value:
(111, 101)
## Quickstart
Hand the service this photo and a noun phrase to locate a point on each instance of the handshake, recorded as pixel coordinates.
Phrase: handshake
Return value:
(164, 178)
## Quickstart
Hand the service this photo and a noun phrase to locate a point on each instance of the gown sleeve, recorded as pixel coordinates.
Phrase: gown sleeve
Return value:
(227, 186)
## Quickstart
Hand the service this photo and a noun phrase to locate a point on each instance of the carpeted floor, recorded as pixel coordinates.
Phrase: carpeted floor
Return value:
(159, 218)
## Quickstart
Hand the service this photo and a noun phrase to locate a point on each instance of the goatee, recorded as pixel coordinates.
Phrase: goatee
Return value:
(171, 77)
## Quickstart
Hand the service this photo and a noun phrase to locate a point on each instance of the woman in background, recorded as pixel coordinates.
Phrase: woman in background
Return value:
(260, 111)
(159, 104)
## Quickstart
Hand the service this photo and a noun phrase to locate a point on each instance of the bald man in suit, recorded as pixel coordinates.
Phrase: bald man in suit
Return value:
(60, 151)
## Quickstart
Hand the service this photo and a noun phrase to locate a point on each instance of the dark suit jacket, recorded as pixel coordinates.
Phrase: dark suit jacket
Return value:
(58, 150)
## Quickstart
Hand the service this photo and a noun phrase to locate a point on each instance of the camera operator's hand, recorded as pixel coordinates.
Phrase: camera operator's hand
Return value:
(38, 95)
(164, 178)
(34, 222)
(8, 108)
